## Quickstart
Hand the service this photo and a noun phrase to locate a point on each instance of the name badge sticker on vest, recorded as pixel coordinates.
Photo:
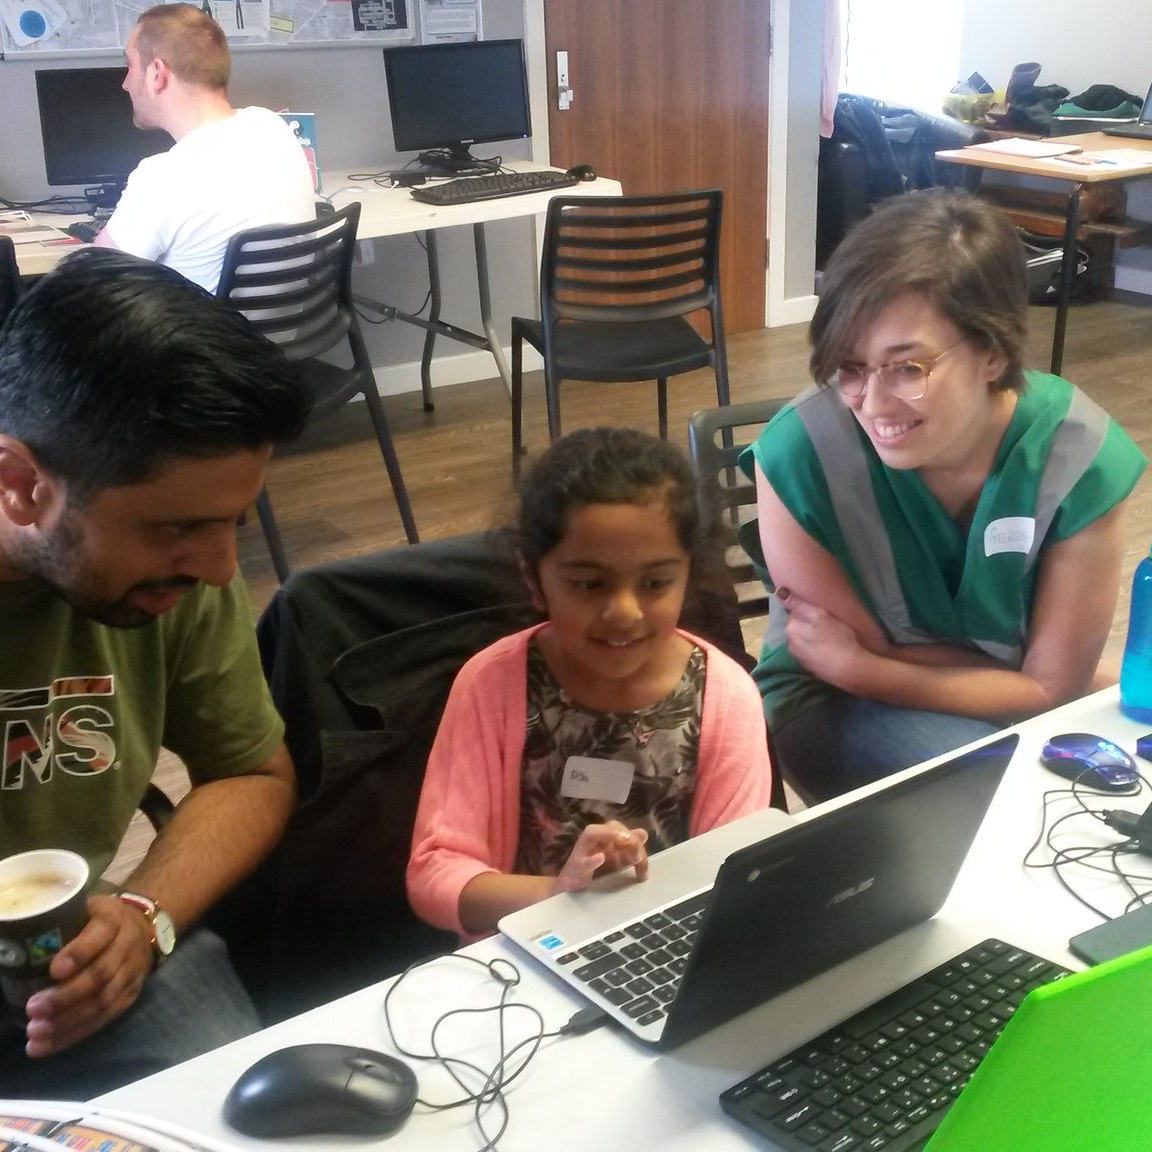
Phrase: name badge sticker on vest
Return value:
(586, 778)
(1009, 534)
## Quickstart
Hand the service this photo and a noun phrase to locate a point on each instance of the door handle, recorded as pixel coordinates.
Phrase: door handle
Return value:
(563, 88)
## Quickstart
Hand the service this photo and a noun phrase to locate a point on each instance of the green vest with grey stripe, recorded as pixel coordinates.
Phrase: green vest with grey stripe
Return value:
(1063, 462)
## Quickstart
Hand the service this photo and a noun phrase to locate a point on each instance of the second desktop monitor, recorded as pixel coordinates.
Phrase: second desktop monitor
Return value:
(446, 97)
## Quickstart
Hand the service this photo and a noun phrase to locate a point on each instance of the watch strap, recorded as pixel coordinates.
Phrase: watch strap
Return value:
(152, 912)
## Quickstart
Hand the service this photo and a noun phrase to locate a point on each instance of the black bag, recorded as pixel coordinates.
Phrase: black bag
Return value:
(1045, 256)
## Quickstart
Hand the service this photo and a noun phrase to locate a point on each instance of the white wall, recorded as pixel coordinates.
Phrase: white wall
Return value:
(1077, 44)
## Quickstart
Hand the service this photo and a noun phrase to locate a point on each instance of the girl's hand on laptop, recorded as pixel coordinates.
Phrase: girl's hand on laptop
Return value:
(603, 848)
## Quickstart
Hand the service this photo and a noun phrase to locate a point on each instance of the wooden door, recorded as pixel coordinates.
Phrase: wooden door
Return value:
(670, 95)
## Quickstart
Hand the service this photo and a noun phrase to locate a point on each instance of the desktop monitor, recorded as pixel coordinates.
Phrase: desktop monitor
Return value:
(446, 97)
(87, 131)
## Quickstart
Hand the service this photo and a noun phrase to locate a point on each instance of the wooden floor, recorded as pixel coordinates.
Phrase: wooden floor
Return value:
(332, 499)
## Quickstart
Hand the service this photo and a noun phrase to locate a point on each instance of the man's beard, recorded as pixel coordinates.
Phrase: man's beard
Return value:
(59, 560)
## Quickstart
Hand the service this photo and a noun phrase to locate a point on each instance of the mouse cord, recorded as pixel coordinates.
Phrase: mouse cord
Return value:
(1084, 855)
(511, 1061)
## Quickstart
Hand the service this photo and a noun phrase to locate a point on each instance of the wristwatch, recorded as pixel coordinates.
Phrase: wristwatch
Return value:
(163, 930)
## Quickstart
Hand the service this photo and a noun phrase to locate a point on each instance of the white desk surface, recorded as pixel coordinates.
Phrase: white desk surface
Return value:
(603, 1090)
(383, 211)
(393, 211)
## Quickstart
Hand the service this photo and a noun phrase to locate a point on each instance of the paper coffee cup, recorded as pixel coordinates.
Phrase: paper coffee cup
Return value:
(43, 905)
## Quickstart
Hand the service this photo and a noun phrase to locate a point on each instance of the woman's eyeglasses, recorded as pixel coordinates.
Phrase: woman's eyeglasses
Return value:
(905, 379)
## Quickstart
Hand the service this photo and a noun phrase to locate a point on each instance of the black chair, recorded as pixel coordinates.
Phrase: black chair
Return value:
(360, 654)
(723, 485)
(713, 451)
(294, 282)
(619, 277)
(9, 277)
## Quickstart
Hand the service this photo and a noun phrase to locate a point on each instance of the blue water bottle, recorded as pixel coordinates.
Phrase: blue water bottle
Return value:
(1136, 670)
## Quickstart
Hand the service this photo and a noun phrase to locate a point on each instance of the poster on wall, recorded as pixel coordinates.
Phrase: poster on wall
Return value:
(61, 26)
(449, 20)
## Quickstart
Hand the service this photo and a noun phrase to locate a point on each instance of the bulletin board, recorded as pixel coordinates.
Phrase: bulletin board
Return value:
(54, 27)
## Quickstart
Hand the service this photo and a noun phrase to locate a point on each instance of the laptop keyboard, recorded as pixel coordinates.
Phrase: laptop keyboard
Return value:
(884, 1078)
(638, 967)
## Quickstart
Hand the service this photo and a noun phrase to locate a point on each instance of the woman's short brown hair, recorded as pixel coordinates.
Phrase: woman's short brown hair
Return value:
(189, 41)
(958, 251)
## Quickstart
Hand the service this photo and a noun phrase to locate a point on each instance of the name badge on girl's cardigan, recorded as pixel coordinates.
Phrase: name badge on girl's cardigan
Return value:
(1009, 534)
(586, 778)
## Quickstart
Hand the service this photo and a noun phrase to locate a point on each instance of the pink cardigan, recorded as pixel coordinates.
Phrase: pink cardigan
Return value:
(469, 816)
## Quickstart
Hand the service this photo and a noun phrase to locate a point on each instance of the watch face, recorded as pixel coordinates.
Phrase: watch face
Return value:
(165, 932)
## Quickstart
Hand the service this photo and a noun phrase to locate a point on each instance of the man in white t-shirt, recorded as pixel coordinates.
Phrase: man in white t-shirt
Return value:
(229, 169)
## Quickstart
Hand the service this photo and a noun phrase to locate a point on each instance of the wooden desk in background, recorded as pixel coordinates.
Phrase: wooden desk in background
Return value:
(1067, 172)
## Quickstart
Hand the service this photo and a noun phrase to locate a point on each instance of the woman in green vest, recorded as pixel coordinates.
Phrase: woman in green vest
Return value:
(942, 529)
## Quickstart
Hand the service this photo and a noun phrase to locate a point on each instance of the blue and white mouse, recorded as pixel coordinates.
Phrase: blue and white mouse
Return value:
(1092, 761)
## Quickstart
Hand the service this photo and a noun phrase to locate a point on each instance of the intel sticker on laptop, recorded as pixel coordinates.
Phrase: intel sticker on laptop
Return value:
(549, 942)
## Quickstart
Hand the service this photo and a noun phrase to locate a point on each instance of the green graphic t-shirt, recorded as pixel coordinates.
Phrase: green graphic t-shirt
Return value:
(84, 710)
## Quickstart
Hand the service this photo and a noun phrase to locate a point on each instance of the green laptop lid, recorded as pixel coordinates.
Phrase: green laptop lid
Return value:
(1071, 1072)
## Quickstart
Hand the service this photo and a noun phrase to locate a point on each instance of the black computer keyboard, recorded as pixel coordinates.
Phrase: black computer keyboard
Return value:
(884, 1078)
(471, 188)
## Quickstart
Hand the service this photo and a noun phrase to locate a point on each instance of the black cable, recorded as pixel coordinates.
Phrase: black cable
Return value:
(388, 313)
(381, 175)
(51, 206)
(1085, 856)
(509, 1064)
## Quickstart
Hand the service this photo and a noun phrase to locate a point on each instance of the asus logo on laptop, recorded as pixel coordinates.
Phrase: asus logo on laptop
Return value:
(855, 890)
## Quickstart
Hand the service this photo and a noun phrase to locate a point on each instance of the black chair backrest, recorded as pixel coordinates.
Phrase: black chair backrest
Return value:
(714, 451)
(294, 281)
(631, 258)
(9, 277)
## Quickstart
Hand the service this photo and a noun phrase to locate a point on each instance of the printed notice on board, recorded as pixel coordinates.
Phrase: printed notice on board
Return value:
(449, 19)
(380, 15)
(35, 26)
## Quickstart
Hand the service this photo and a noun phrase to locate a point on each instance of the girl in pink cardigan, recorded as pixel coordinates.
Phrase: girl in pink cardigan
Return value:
(580, 745)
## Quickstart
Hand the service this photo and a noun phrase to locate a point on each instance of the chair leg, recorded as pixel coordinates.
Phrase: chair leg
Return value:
(720, 368)
(517, 402)
(552, 395)
(272, 536)
(720, 361)
(391, 463)
(662, 405)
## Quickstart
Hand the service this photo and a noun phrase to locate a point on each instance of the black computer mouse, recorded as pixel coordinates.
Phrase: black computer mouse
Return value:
(582, 172)
(85, 230)
(1091, 761)
(322, 1088)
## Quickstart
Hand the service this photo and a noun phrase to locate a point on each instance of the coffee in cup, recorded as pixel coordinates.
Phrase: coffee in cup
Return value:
(43, 905)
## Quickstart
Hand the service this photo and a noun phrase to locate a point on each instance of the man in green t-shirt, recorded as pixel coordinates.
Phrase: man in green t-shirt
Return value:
(137, 415)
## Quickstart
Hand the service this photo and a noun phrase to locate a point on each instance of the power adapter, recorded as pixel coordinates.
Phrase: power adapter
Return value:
(406, 179)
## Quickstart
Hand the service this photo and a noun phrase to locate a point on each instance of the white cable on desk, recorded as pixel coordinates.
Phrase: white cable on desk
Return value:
(130, 1125)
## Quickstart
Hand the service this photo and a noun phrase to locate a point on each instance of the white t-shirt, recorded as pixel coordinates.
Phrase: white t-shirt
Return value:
(181, 207)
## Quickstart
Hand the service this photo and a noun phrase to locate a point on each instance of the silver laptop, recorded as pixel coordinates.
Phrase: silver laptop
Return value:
(741, 914)
(1139, 129)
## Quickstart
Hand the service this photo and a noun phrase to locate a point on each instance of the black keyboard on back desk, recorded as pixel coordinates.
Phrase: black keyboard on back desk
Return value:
(471, 188)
